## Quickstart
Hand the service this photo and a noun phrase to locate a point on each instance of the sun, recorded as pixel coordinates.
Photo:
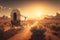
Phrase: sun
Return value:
(38, 13)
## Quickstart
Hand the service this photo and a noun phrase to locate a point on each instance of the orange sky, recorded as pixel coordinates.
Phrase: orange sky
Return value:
(33, 10)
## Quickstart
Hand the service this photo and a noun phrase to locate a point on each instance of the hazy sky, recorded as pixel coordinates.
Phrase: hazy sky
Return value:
(30, 9)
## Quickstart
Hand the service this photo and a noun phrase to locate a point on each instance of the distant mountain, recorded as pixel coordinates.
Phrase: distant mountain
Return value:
(4, 19)
(57, 17)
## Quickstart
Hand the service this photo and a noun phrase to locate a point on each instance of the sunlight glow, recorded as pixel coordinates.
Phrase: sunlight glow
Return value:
(38, 13)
